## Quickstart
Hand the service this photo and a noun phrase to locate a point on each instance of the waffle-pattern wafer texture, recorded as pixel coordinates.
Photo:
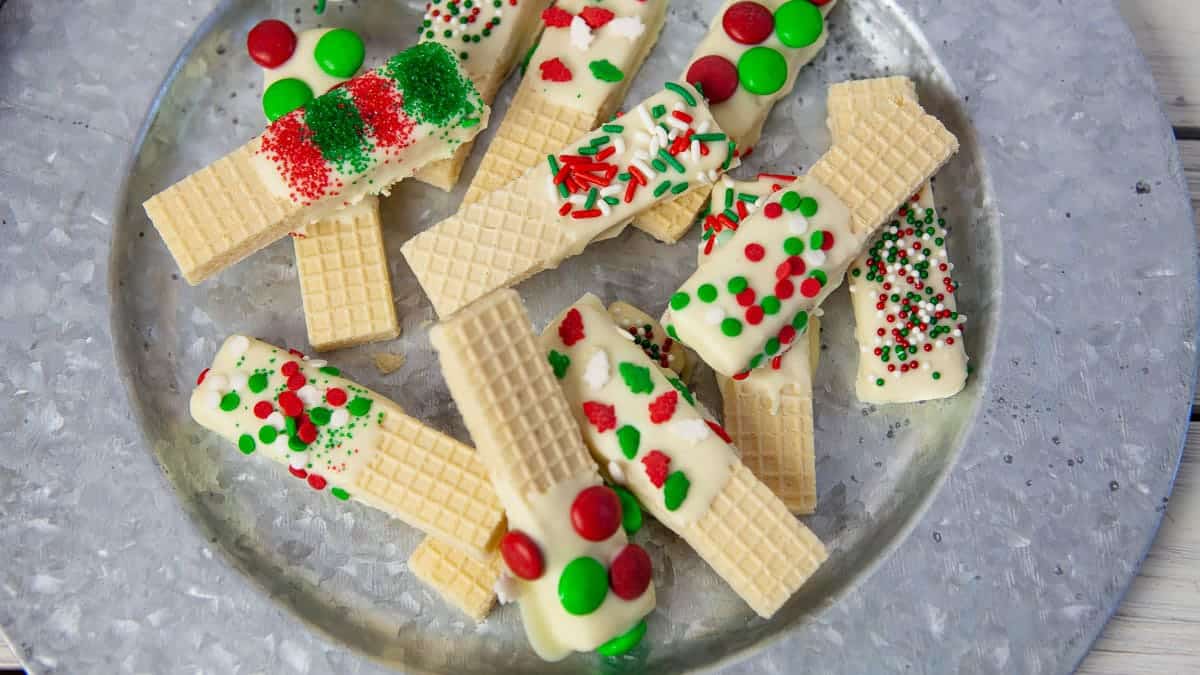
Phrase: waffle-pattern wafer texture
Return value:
(531, 442)
(754, 543)
(847, 100)
(518, 230)
(462, 581)
(344, 279)
(242, 202)
(432, 482)
(535, 126)
(670, 221)
(488, 67)
(883, 159)
(774, 430)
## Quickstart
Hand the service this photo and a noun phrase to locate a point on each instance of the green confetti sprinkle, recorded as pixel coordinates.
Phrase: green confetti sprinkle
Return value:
(559, 363)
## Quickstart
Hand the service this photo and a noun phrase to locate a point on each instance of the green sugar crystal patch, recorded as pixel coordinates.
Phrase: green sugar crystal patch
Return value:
(338, 131)
(434, 89)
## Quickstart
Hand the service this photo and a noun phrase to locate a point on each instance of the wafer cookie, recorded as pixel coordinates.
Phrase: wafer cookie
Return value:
(749, 59)
(344, 280)
(587, 190)
(747, 304)
(565, 526)
(463, 581)
(563, 96)
(355, 140)
(910, 257)
(488, 42)
(676, 460)
(347, 440)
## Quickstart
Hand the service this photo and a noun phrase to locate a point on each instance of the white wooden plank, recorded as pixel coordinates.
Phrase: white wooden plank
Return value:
(1167, 31)
(1157, 628)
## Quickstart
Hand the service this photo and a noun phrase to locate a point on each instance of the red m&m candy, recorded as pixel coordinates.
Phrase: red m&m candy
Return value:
(596, 513)
(522, 555)
(271, 43)
(629, 575)
(748, 23)
(715, 75)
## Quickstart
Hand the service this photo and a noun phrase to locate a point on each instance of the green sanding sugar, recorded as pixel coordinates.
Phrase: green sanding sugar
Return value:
(338, 131)
(435, 92)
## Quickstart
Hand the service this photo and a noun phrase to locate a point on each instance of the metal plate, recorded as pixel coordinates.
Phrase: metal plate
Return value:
(993, 532)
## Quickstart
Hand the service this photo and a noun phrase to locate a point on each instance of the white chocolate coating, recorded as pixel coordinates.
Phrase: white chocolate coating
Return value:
(303, 66)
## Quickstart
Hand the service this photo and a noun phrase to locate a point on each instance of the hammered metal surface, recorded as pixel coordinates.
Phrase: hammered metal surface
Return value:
(994, 532)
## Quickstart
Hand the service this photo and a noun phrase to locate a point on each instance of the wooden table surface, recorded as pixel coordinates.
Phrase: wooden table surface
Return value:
(1157, 628)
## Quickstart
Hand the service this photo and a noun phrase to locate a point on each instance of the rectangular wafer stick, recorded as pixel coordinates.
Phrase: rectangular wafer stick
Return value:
(489, 38)
(741, 97)
(652, 436)
(347, 440)
(930, 361)
(355, 140)
(546, 480)
(463, 581)
(584, 191)
(344, 279)
(562, 97)
(748, 303)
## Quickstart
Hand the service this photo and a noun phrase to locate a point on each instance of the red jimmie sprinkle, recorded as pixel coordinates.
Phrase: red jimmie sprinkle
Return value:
(380, 104)
(570, 330)
(287, 143)
(719, 430)
(200, 379)
(298, 473)
(662, 408)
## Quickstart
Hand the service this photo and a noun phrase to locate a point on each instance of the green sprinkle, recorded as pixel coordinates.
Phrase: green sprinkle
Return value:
(320, 415)
(683, 93)
(680, 300)
(631, 510)
(937, 375)
(230, 401)
(605, 71)
(267, 434)
(637, 378)
(706, 292)
(330, 370)
(679, 188)
(675, 490)
(728, 198)
(705, 138)
(246, 444)
(771, 305)
(658, 111)
(599, 141)
(800, 321)
(434, 90)
(625, 176)
(728, 156)
(790, 201)
(469, 122)
(290, 425)
(755, 362)
(592, 195)
(626, 642)
(731, 327)
(612, 128)
(588, 150)
(662, 187)
(630, 440)
(793, 246)
(820, 276)
(736, 285)
(359, 406)
(671, 331)
(732, 215)
(339, 493)
(257, 382)
(771, 347)
(658, 165)
(297, 445)
(670, 159)
(808, 207)
(879, 382)
(612, 201)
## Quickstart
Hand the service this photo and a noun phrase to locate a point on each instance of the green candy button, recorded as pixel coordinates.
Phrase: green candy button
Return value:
(625, 642)
(340, 53)
(257, 382)
(706, 292)
(284, 96)
(680, 300)
(267, 434)
(762, 70)
(582, 586)
(230, 401)
(790, 201)
(808, 207)
(798, 23)
(246, 444)
(731, 327)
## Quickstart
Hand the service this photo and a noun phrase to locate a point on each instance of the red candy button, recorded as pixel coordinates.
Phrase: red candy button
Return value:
(629, 575)
(748, 23)
(271, 43)
(291, 404)
(754, 315)
(784, 289)
(335, 397)
(716, 75)
(263, 410)
(773, 210)
(521, 555)
(810, 287)
(596, 513)
(755, 252)
(296, 380)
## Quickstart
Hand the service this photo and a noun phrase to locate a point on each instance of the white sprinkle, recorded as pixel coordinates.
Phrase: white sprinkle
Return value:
(940, 306)
(212, 399)
(316, 363)
(581, 34)
(506, 588)
(577, 200)
(339, 418)
(714, 315)
(616, 473)
(797, 224)
(237, 381)
(644, 168)
(610, 191)
(605, 209)
(677, 123)
(276, 420)
(940, 343)
(628, 27)
(216, 382)
(299, 459)
(692, 431)
(619, 145)
(695, 151)
(814, 257)
(925, 366)
(624, 333)
(238, 344)
(309, 395)
(853, 288)
(924, 237)
(957, 333)
(645, 117)
(597, 373)
(703, 127)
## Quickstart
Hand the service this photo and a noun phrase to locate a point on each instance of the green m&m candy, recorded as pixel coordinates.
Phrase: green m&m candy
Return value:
(624, 642)
(762, 70)
(340, 53)
(583, 586)
(798, 23)
(284, 96)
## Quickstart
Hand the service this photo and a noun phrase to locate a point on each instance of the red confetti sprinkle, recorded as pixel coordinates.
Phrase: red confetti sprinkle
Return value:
(662, 408)
(810, 287)
(787, 334)
(827, 241)
(289, 369)
(603, 417)
(555, 70)
(335, 396)
(657, 465)
(297, 472)
(784, 289)
(746, 297)
(570, 330)
(716, 75)
(754, 315)
(317, 482)
(263, 409)
(296, 353)
(748, 23)
(296, 380)
(291, 404)
(596, 513)
(755, 252)
(271, 43)
(522, 555)
(720, 430)
(556, 17)
(307, 432)
(773, 210)
(596, 17)
(629, 575)
(200, 379)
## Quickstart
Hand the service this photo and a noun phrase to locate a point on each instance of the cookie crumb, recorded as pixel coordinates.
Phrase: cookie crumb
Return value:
(387, 363)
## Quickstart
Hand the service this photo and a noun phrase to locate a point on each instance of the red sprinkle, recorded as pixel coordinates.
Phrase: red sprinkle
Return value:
(657, 465)
(787, 334)
(827, 241)
(596, 17)
(316, 482)
(748, 23)
(556, 17)
(784, 289)
(596, 513)
(564, 209)
(200, 379)
(662, 408)
(298, 473)
(754, 315)
(603, 417)
(289, 369)
(629, 575)
(717, 428)
(296, 380)
(263, 409)
(773, 210)
(291, 404)
(810, 287)
(381, 106)
(746, 297)
(755, 252)
(522, 555)
(554, 70)
(570, 330)
(335, 396)
(296, 353)
(307, 432)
